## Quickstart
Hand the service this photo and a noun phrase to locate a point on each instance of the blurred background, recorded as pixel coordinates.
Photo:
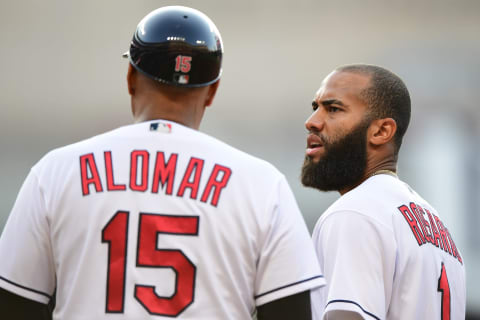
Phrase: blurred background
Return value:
(63, 80)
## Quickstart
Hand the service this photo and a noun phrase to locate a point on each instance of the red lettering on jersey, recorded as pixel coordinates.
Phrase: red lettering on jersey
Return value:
(164, 172)
(115, 233)
(195, 166)
(456, 254)
(148, 255)
(134, 160)
(111, 186)
(412, 223)
(419, 217)
(436, 235)
(217, 184)
(427, 229)
(443, 235)
(444, 288)
(87, 164)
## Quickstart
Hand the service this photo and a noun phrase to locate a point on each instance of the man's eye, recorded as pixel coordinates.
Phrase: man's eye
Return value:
(333, 109)
(314, 106)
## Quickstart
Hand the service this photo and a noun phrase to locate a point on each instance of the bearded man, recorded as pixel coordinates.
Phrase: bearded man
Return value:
(383, 249)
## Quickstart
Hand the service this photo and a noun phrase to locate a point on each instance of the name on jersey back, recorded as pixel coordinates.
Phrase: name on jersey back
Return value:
(432, 231)
(164, 173)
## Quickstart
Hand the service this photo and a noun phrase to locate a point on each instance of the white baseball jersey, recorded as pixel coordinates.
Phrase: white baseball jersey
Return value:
(153, 221)
(386, 254)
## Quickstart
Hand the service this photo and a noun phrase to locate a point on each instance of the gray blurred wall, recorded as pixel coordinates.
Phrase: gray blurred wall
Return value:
(63, 80)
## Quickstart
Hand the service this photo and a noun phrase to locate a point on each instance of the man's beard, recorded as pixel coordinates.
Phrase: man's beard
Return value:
(342, 165)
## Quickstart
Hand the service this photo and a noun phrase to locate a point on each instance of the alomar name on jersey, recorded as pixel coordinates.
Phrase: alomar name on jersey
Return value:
(163, 176)
(432, 231)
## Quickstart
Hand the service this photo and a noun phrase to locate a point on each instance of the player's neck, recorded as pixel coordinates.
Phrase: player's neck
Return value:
(385, 166)
(184, 112)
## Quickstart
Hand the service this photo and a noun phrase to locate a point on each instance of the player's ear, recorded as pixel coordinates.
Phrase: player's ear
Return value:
(131, 79)
(382, 131)
(212, 90)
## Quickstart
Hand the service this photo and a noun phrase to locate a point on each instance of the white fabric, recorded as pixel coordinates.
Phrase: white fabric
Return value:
(373, 263)
(252, 245)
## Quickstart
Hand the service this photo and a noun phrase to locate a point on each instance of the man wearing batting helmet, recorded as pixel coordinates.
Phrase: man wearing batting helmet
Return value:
(157, 220)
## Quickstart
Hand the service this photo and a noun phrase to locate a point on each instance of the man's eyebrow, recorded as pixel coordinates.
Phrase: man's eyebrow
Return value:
(332, 101)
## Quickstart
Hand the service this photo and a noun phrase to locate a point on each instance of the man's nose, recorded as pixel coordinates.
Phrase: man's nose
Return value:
(315, 122)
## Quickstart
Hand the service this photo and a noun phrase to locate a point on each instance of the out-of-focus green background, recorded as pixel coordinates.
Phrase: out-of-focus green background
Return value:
(63, 80)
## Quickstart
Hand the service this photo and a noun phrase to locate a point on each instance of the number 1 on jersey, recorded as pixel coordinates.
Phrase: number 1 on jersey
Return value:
(444, 288)
(116, 234)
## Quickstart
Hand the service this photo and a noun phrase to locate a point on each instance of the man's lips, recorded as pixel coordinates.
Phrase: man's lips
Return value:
(314, 144)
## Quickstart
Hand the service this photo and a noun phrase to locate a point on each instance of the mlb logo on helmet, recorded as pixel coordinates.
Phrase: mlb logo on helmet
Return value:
(180, 78)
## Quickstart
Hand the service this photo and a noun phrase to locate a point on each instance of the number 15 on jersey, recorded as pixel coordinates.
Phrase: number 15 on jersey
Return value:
(115, 234)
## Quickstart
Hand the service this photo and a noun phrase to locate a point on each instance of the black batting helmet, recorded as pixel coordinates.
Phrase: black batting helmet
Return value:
(179, 46)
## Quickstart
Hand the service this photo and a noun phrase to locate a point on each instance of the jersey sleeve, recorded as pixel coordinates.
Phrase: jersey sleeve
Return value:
(27, 267)
(287, 264)
(357, 256)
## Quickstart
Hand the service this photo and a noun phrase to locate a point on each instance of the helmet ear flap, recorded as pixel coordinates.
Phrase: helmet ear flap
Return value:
(179, 46)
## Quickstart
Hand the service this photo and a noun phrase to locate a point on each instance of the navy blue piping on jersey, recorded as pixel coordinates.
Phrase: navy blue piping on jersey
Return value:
(288, 285)
(26, 288)
(353, 302)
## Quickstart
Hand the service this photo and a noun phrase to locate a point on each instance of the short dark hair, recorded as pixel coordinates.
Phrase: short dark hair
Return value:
(387, 97)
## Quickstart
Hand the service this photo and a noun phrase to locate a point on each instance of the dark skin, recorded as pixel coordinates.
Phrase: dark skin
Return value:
(15, 307)
(338, 107)
(151, 100)
(296, 306)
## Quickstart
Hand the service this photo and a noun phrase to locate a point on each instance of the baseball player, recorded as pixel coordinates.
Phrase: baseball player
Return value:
(157, 220)
(384, 250)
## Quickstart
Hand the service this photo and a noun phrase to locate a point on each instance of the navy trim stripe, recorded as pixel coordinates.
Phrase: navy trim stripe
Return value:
(26, 288)
(288, 285)
(353, 302)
